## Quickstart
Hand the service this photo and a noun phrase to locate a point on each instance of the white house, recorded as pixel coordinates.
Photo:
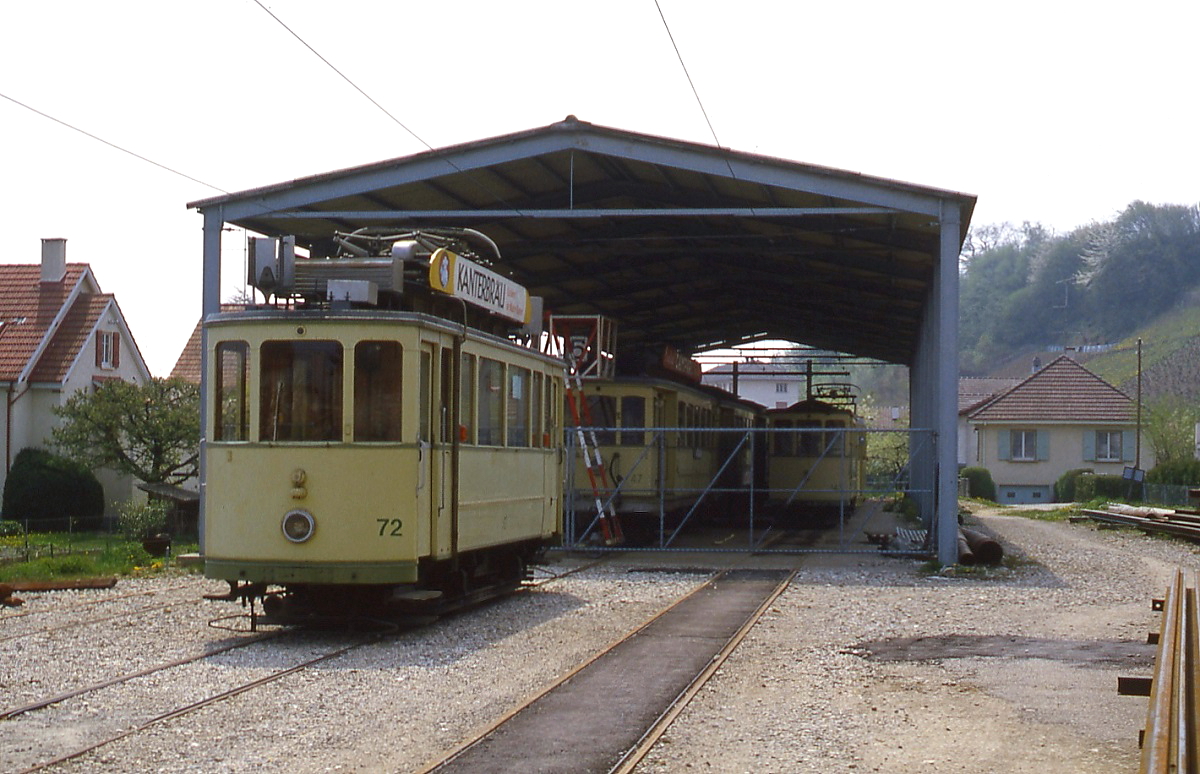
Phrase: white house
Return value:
(1061, 418)
(774, 385)
(58, 333)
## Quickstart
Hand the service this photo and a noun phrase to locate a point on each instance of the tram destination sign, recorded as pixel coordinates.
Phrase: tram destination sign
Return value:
(454, 275)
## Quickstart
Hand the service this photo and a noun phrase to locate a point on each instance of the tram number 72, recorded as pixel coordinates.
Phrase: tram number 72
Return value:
(389, 527)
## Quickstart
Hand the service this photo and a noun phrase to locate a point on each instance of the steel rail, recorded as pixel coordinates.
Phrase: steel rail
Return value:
(119, 679)
(1169, 740)
(479, 735)
(189, 708)
(82, 605)
(635, 756)
(46, 702)
(104, 619)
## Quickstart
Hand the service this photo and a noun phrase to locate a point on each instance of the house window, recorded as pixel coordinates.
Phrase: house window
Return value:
(1023, 445)
(1108, 446)
(781, 387)
(108, 349)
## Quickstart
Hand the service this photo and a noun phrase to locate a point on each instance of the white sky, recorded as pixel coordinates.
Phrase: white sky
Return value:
(1048, 111)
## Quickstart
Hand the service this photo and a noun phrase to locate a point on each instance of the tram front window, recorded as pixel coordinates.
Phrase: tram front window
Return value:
(232, 421)
(301, 391)
(603, 409)
(633, 415)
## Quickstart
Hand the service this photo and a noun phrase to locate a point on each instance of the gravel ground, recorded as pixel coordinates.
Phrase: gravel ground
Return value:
(1016, 671)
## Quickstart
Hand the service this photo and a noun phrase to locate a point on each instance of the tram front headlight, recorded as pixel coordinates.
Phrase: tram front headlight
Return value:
(298, 525)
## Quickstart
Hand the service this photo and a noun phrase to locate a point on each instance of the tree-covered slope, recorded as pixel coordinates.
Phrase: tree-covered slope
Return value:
(1025, 289)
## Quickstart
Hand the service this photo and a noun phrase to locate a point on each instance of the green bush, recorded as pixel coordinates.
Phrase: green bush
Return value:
(1181, 472)
(138, 521)
(979, 483)
(1102, 487)
(10, 528)
(52, 492)
(1066, 485)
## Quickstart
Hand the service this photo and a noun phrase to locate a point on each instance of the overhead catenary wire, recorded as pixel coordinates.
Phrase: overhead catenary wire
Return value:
(481, 183)
(691, 83)
(113, 145)
(343, 76)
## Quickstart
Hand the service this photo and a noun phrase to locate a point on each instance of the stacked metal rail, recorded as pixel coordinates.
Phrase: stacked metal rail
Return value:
(1169, 740)
(1184, 523)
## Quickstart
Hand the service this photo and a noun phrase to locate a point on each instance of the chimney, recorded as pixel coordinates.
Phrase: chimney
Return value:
(54, 259)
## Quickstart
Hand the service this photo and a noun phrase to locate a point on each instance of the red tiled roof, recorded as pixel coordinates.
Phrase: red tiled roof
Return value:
(187, 367)
(1063, 391)
(974, 390)
(70, 338)
(28, 306)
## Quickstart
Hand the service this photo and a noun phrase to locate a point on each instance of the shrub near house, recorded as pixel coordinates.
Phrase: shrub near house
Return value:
(52, 493)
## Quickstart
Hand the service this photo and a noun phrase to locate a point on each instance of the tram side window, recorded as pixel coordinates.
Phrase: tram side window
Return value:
(232, 422)
(301, 391)
(603, 409)
(377, 391)
(466, 399)
(538, 413)
(633, 415)
(518, 406)
(783, 441)
(491, 402)
(553, 406)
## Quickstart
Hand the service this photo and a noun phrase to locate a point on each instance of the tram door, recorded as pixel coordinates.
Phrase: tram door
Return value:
(437, 366)
(432, 442)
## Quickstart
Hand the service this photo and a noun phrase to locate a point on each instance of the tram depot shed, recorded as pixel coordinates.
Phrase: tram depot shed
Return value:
(685, 244)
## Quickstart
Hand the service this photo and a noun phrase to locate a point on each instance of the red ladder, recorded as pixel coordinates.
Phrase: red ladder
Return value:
(610, 524)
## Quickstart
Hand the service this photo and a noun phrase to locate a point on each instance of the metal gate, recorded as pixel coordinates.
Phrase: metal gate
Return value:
(679, 481)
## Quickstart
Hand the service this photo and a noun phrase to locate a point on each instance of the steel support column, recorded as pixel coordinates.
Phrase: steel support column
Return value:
(945, 397)
(214, 222)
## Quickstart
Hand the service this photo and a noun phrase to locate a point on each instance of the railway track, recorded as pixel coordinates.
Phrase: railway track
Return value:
(541, 578)
(202, 703)
(85, 605)
(102, 619)
(605, 715)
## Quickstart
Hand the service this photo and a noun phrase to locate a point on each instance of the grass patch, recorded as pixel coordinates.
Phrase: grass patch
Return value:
(1058, 514)
(62, 556)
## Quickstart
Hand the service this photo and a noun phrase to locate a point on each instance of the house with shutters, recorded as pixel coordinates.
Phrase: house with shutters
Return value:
(1062, 417)
(58, 334)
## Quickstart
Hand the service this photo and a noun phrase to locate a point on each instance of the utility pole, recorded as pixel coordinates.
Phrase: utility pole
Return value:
(1137, 455)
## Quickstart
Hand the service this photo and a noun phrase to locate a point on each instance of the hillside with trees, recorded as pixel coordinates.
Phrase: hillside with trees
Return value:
(1121, 297)
(1026, 289)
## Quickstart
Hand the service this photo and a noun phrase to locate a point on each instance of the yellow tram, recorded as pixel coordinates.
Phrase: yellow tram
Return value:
(373, 451)
(818, 455)
(669, 446)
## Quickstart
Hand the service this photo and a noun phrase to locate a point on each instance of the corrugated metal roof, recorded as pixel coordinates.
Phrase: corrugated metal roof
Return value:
(682, 244)
(1063, 391)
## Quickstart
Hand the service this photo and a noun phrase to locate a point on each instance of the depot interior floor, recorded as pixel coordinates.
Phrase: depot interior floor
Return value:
(773, 543)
